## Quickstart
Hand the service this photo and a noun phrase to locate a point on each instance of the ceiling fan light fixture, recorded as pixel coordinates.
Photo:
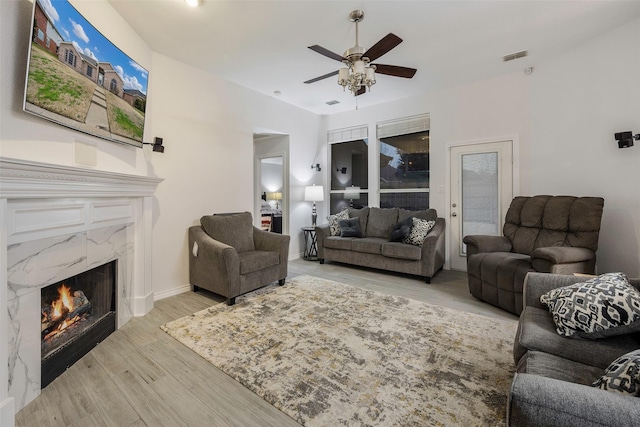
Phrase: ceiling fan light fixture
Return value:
(359, 75)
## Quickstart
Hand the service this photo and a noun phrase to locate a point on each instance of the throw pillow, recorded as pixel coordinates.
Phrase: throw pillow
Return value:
(419, 231)
(604, 306)
(350, 227)
(623, 375)
(334, 226)
(402, 230)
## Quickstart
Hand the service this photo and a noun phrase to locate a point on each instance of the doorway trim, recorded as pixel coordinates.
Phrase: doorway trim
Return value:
(257, 186)
(447, 164)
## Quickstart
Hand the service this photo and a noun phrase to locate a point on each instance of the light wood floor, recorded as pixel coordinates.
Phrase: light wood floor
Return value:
(140, 376)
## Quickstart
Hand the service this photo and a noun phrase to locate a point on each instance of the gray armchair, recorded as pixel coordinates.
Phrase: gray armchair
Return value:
(230, 257)
(547, 234)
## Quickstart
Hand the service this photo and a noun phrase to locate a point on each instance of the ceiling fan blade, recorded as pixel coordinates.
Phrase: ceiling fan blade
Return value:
(326, 52)
(387, 43)
(360, 91)
(394, 70)
(333, 73)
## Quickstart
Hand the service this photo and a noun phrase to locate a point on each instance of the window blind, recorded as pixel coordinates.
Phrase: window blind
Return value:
(347, 134)
(403, 126)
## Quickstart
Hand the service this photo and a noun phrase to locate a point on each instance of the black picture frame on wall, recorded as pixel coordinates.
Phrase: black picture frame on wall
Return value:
(77, 78)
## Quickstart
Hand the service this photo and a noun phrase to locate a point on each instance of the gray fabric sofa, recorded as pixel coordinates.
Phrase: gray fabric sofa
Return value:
(230, 257)
(547, 234)
(552, 384)
(377, 251)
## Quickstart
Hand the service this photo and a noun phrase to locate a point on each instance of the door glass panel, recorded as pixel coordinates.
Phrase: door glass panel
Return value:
(480, 195)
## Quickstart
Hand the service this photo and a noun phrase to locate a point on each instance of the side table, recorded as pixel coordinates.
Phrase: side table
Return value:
(310, 244)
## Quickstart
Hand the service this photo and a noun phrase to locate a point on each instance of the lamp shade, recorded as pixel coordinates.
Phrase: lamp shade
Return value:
(313, 193)
(352, 192)
(274, 196)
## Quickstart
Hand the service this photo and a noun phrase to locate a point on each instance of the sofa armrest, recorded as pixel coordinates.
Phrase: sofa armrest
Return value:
(322, 232)
(479, 243)
(274, 242)
(539, 401)
(214, 266)
(433, 248)
(537, 284)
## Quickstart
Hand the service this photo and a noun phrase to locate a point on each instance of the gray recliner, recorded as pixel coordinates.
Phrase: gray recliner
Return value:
(230, 257)
(547, 234)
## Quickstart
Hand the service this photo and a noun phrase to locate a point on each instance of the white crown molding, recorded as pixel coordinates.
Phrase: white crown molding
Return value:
(20, 179)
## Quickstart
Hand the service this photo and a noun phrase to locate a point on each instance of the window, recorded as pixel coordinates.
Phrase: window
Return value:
(404, 163)
(89, 71)
(70, 57)
(113, 87)
(40, 34)
(349, 151)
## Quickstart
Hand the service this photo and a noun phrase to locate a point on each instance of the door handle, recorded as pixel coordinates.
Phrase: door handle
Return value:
(454, 214)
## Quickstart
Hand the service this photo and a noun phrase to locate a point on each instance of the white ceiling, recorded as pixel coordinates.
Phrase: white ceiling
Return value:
(262, 44)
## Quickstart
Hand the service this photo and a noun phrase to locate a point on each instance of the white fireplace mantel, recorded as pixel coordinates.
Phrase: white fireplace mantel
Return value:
(42, 201)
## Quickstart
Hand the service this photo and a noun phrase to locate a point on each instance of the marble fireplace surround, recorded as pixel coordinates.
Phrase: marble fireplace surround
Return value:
(58, 221)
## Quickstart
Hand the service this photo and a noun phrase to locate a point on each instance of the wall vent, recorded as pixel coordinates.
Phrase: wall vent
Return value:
(516, 55)
(334, 102)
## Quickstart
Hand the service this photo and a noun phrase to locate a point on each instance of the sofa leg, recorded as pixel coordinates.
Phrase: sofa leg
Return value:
(231, 301)
(281, 282)
(427, 280)
(321, 260)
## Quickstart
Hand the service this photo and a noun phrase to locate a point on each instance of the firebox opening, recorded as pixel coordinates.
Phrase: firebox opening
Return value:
(76, 315)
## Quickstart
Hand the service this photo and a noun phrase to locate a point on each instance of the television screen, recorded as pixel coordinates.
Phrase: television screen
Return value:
(76, 77)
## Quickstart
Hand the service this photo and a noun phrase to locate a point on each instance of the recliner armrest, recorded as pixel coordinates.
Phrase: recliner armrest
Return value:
(480, 243)
(535, 400)
(563, 254)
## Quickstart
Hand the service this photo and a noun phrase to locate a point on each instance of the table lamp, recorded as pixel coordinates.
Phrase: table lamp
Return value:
(314, 193)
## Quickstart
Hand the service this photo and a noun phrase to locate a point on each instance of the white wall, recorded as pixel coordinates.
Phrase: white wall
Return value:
(207, 125)
(578, 102)
(563, 118)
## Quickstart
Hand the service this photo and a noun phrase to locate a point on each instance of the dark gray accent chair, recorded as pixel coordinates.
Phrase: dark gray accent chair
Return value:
(230, 257)
(547, 234)
(552, 384)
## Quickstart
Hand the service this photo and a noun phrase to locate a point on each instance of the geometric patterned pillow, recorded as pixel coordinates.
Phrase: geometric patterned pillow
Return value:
(623, 375)
(604, 306)
(419, 231)
(334, 225)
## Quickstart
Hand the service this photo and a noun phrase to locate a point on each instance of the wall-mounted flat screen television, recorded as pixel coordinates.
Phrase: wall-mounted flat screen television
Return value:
(77, 78)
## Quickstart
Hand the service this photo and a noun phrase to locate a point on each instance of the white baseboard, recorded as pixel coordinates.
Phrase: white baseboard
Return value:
(172, 292)
(143, 305)
(7, 413)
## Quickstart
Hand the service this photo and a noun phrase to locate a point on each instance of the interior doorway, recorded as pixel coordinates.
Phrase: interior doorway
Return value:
(481, 192)
(271, 187)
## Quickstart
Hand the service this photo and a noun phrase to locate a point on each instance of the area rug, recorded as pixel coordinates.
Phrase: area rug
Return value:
(330, 354)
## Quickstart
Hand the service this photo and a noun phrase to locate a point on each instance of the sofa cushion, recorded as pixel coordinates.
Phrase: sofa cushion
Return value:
(428, 214)
(622, 375)
(559, 368)
(337, 242)
(536, 331)
(362, 215)
(251, 261)
(350, 227)
(234, 230)
(334, 222)
(402, 251)
(380, 222)
(401, 230)
(369, 245)
(419, 231)
(604, 306)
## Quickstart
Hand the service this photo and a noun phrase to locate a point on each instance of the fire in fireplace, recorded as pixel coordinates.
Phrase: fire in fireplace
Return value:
(76, 315)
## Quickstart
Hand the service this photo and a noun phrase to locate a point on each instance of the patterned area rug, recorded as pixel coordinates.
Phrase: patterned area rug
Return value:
(330, 354)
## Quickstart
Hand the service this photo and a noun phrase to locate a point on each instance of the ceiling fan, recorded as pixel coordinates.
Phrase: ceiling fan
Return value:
(359, 73)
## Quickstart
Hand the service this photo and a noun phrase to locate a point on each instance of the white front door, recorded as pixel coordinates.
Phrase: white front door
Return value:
(481, 192)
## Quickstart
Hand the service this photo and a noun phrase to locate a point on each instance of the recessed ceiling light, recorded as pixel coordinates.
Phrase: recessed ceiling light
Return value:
(334, 102)
(193, 3)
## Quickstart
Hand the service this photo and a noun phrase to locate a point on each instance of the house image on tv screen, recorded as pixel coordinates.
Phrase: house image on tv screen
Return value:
(69, 83)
